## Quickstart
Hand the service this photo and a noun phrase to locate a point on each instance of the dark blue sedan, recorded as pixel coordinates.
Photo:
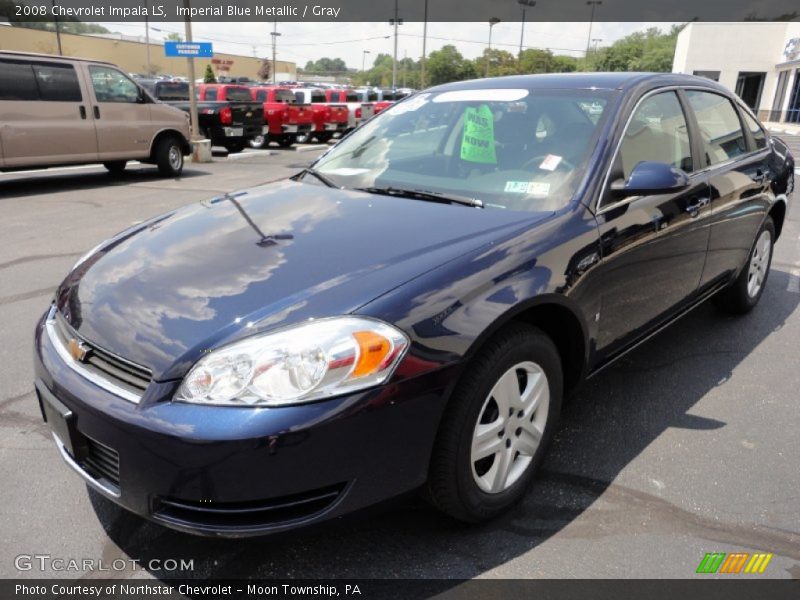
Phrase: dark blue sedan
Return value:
(411, 310)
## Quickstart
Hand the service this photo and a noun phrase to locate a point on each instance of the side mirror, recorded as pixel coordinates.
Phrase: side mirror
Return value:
(649, 178)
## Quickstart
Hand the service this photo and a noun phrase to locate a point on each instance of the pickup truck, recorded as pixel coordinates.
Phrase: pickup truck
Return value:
(227, 122)
(359, 110)
(386, 98)
(285, 118)
(240, 118)
(329, 119)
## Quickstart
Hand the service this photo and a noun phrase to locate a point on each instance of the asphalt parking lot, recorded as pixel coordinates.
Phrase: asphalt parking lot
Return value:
(688, 445)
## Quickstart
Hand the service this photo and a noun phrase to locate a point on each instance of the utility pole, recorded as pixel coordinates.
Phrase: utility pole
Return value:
(147, 36)
(593, 4)
(525, 4)
(405, 56)
(396, 23)
(58, 29)
(424, 47)
(492, 22)
(274, 35)
(363, 58)
(190, 62)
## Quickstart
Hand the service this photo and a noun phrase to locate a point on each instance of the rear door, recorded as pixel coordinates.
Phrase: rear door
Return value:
(121, 114)
(44, 116)
(736, 158)
(654, 247)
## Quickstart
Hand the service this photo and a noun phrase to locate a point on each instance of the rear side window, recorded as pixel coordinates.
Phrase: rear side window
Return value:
(284, 96)
(759, 136)
(720, 129)
(211, 94)
(112, 86)
(657, 132)
(351, 98)
(17, 81)
(57, 83)
(238, 94)
(261, 96)
(319, 98)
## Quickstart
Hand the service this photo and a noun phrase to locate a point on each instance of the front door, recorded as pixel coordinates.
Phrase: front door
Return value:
(121, 114)
(654, 246)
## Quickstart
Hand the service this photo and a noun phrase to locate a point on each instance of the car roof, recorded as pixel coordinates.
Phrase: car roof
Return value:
(15, 54)
(608, 81)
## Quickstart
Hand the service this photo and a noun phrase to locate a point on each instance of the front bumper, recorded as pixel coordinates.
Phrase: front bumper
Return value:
(231, 471)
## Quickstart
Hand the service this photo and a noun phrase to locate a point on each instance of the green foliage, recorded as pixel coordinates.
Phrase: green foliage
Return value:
(173, 37)
(499, 62)
(209, 76)
(326, 66)
(649, 50)
(447, 65)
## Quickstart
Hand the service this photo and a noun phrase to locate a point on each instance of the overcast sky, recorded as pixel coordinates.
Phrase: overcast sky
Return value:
(301, 42)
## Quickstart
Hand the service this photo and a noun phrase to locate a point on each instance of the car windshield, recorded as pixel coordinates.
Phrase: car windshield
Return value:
(520, 149)
(238, 94)
(172, 91)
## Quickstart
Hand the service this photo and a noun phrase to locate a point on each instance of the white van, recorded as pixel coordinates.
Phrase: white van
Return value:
(57, 110)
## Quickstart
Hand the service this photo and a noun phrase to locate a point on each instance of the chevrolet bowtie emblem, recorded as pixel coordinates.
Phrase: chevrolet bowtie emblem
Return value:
(77, 350)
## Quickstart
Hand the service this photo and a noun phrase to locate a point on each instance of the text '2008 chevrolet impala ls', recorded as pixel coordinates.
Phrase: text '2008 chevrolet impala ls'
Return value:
(410, 311)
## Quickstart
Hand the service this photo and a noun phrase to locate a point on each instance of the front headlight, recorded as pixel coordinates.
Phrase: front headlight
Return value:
(315, 360)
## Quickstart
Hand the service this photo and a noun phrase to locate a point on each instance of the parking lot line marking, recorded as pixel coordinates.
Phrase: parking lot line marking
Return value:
(132, 163)
(794, 282)
(311, 148)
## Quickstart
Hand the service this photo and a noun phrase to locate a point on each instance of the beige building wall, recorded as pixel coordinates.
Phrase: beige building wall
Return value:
(131, 57)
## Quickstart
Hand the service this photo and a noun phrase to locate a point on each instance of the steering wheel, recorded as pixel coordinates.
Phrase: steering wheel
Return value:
(537, 160)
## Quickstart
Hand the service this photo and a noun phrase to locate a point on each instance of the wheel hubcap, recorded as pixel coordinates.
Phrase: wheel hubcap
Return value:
(175, 157)
(759, 264)
(510, 427)
(257, 141)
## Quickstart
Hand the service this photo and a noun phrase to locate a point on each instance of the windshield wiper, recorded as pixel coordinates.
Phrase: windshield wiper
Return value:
(319, 176)
(423, 195)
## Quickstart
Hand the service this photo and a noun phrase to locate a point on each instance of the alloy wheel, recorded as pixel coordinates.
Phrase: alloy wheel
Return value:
(759, 263)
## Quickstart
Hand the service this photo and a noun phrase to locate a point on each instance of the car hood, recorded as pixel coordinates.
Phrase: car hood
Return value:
(165, 291)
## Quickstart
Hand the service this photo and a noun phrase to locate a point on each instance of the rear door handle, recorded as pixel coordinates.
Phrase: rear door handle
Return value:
(96, 112)
(700, 203)
(82, 110)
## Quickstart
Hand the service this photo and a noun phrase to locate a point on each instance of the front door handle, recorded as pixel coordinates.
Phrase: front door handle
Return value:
(759, 177)
(699, 204)
(96, 112)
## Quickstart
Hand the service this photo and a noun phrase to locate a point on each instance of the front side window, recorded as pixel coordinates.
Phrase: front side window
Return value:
(238, 94)
(720, 129)
(285, 96)
(759, 136)
(57, 83)
(657, 132)
(112, 86)
(485, 144)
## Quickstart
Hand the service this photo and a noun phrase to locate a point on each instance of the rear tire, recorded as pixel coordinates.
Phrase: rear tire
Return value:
(260, 142)
(168, 156)
(743, 294)
(116, 167)
(493, 437)
(234, 147)
(286, 141)
(304, 138)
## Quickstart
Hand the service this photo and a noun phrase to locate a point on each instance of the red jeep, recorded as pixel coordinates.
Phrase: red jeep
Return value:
(285, 119)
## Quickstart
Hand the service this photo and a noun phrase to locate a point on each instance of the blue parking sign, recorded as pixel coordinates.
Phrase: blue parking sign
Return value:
(188, 49)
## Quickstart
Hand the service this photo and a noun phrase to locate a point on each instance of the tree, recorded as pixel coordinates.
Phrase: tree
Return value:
(326, 66)
(500, 63)
(447, 65)
(173, 37)
(209, 76)
(265, 70)
(649, 50)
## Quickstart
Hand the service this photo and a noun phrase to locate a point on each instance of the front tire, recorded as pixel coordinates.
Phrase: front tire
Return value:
(169, 157)
(744, 293)
(497, 426)
(259, 142)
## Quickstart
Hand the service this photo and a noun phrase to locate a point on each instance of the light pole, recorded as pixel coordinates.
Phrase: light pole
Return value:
(192, 99)
(492, 22)
(424, 45)
(593, 4)
(58, 29)
(363, 57)
(274, 33)
(396, 21)
(524, 4)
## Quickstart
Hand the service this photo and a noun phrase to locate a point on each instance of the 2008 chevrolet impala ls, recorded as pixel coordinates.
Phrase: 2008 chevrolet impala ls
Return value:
(410, 311)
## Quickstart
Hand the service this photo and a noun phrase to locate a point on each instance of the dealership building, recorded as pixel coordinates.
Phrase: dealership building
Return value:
(759, 60)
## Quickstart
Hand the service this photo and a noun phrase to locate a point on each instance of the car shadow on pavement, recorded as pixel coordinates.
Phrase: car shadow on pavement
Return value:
(613, 418)
(52, 182)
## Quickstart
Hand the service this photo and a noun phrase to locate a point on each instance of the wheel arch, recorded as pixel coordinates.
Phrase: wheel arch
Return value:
(778, 214)
(560, 320)
(186, 147)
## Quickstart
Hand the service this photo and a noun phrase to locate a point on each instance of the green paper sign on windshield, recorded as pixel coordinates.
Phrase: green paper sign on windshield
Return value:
(477, 145)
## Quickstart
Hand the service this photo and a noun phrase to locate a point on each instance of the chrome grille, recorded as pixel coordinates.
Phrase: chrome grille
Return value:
(117, 375)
